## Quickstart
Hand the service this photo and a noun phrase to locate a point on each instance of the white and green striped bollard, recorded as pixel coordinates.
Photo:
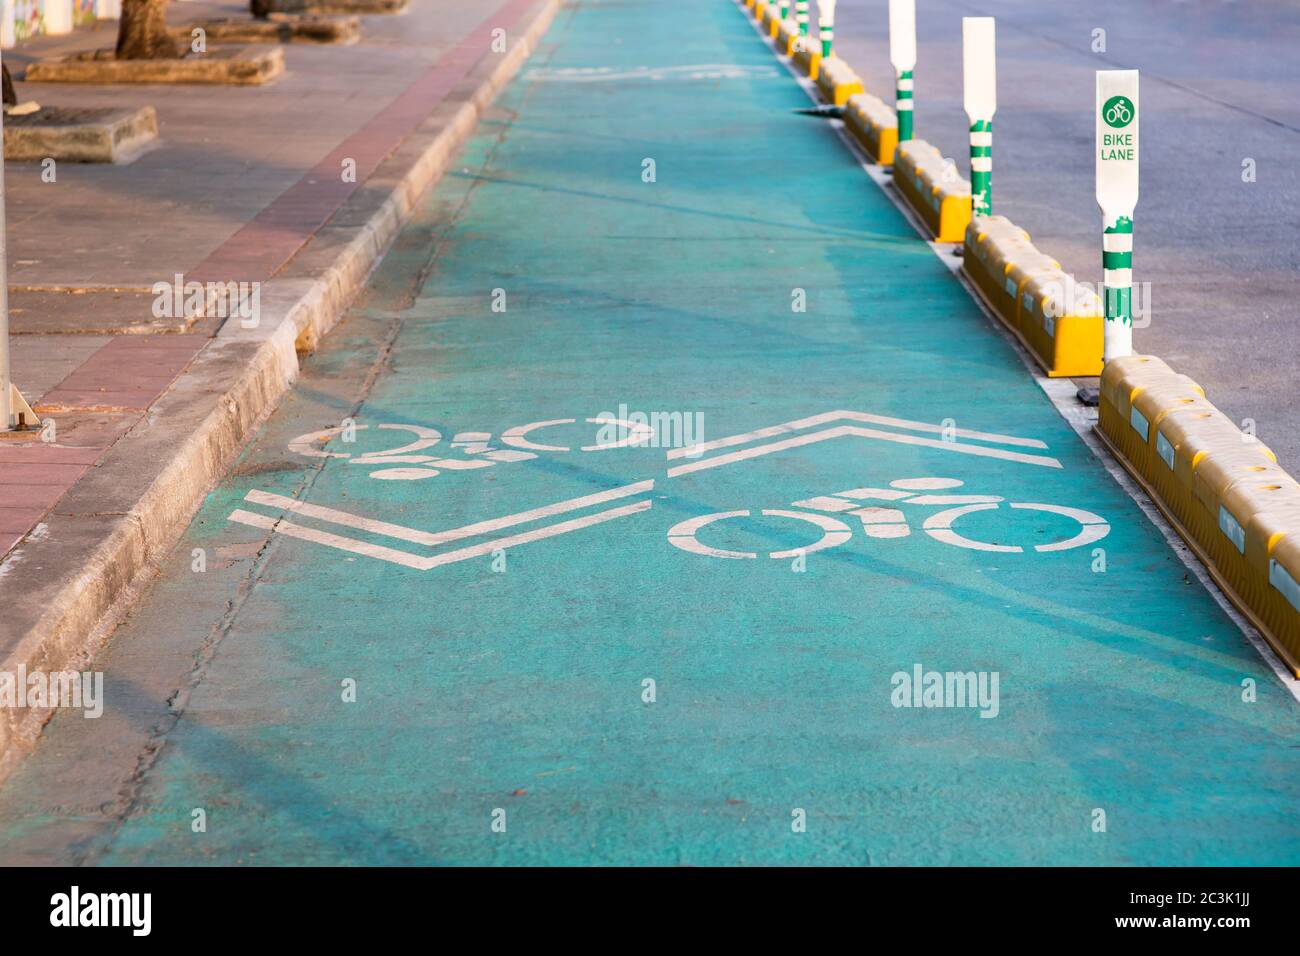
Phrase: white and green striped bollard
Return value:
(783, 10)
(1117, 195)
(902, 54)
(979, 79)
(826, 25)
(801, 16)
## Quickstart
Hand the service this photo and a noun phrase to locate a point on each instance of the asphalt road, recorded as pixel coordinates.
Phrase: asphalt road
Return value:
(1220, 84)
(509, 642)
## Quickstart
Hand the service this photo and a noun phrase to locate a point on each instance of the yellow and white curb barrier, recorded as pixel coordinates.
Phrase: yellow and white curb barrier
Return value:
(787, 35)
(934, 189)
(874, 125)
(1221, 488)
(772, 18)
(837, 81)
(1059, 321)
(807, 56)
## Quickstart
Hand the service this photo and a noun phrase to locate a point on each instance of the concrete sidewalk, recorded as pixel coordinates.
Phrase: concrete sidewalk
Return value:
(246, 185)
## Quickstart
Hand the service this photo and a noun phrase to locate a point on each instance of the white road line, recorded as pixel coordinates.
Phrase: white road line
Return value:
(392, 555)
(433, 539)
(550, 531)
(841, 430)
(841, 415)
(328, 539)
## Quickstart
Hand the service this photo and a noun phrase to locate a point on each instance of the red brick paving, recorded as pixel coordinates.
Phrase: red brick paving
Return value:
(19, 520)
(260, 249)
(131, 371)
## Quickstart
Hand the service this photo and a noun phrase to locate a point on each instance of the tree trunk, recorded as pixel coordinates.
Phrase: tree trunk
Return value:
(10, 97)
(142, 33)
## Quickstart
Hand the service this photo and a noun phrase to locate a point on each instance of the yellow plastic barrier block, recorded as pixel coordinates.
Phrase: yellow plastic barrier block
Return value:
(934, 189)
(1156, 406)
(787, 35)
(986, 238)
(1023, 265)
(1121, 381)
(807, 53)
(1000, 255)
(1223, 489)
(1277, 607)
(837, 81)
(1209, 521)
(874, 125)
(1057, 319)
(771, 20)
(1062, 323)
(1266, 501)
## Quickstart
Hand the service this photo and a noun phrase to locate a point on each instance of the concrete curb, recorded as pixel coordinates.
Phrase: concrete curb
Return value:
(124, 515)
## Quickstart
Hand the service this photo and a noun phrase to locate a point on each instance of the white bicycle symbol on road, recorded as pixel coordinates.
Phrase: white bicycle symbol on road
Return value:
(881, 512)
(414, 462)
(885, 521)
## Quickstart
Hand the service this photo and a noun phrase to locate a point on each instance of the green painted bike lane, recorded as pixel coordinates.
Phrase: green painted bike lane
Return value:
(501, 614)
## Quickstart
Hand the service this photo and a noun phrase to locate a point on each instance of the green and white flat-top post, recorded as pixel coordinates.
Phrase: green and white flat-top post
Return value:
(902, 54)
(801, 16)
(783, 9)
(980, 94)
(1117, 195)
(826, 25)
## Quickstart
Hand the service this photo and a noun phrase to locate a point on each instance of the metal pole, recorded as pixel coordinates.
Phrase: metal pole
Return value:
(8, 419)
(979, 69)
(902, 53)
(15, 413)
(1117, 195)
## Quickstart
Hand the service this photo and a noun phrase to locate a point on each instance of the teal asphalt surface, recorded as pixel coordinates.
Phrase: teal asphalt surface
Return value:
(514, 682)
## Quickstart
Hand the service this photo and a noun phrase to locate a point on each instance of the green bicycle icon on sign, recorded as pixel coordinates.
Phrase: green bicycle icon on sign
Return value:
(1118, 111)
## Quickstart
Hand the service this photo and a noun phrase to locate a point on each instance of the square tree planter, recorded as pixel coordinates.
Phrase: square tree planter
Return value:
(277, 29)
(109, 134)
(235, 66)
(339, 6)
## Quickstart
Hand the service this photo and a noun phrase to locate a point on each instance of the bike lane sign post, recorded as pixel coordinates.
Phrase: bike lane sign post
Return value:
(902, 54)
(1117, 195)
(980, 99)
